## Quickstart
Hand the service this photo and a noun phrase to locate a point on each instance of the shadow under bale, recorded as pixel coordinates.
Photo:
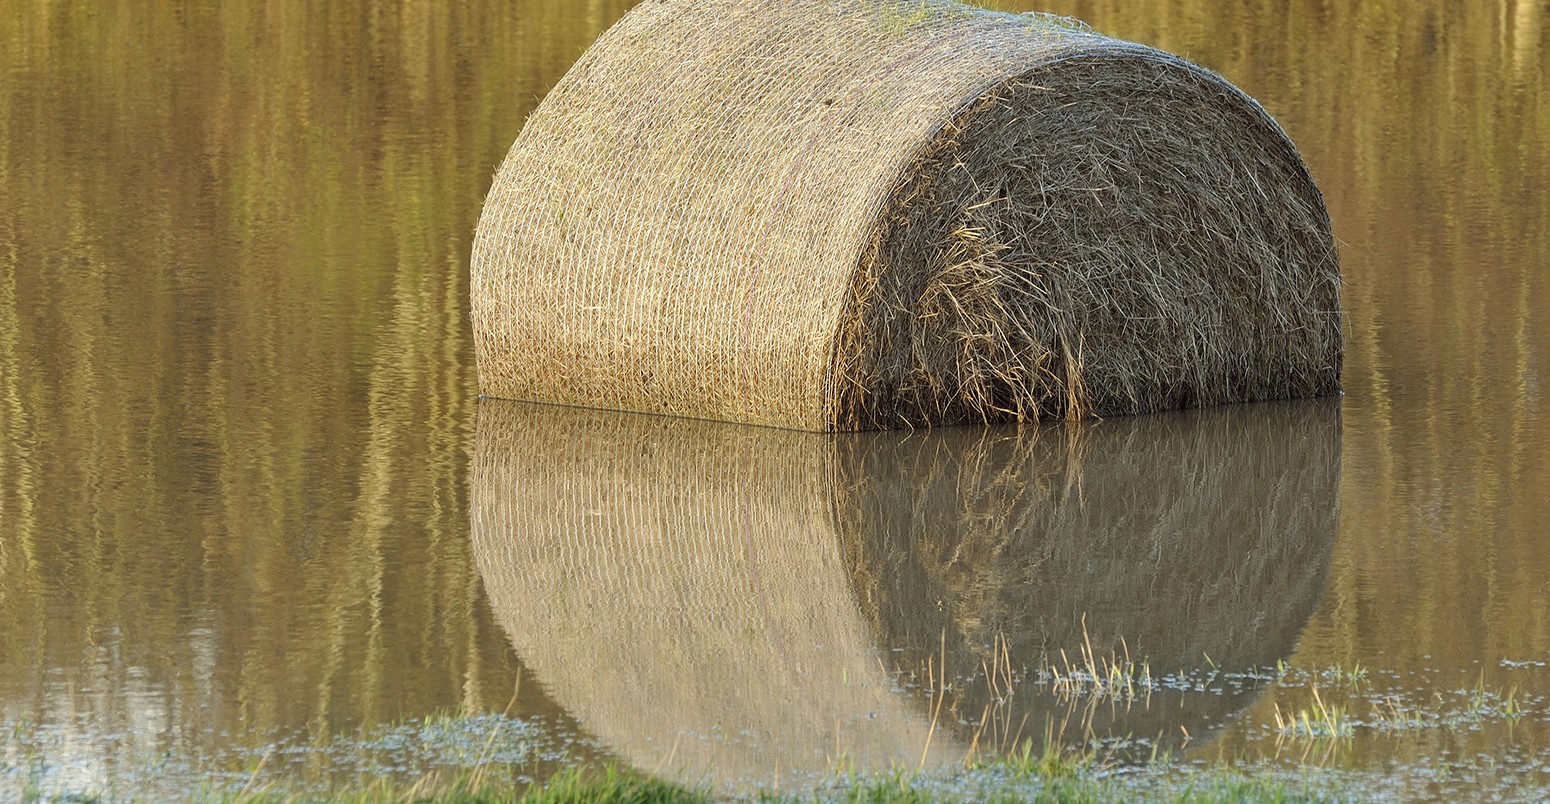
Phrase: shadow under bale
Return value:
(842, 215)
(744, 605)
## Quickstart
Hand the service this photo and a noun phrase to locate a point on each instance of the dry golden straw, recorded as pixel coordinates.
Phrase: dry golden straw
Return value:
(837, 215)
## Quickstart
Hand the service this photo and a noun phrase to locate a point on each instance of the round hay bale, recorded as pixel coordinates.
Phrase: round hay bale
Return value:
(836, 215)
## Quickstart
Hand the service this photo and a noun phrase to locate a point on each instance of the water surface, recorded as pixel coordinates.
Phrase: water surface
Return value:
(251, 513)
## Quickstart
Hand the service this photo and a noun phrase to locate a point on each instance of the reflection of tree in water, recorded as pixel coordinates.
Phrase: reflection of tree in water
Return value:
(720, 602)
(1190, 541)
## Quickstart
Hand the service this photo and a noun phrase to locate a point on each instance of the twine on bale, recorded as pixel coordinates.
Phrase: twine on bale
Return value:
(838, 215)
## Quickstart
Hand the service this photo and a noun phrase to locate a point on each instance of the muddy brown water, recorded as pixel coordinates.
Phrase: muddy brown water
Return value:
(253, 516)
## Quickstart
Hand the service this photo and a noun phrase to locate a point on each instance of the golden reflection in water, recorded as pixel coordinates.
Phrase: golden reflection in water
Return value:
(741, 604)
(1188, 540)
(677, 587)
(235, 377)
(236, 390)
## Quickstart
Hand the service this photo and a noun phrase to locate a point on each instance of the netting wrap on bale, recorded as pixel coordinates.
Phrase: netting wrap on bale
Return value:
(848, 214)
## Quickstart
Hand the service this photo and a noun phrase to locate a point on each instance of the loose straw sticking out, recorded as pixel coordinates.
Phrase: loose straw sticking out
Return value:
(835, 214)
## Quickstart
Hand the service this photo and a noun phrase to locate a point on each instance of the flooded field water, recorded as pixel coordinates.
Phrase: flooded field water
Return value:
(256, 528)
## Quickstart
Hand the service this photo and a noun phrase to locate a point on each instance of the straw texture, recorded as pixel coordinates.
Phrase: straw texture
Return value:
(836, 214)
(726, 603)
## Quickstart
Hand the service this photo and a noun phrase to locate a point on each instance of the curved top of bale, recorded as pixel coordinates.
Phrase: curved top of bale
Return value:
(836, 214)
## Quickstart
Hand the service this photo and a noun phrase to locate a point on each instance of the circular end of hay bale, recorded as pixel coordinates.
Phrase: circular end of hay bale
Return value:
(1112, 232)
(830, 215)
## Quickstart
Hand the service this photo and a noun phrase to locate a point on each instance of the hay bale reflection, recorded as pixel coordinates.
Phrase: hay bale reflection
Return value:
(678, 586)
(1187, 541)
(740, 605)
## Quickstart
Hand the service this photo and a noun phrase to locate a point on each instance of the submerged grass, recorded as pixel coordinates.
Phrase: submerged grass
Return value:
(1392, 713)
(1051, 771)
(1115, 676)
(1485, 702)
(1317, 721)
(1011, 779)
(1002, 764)
(609, 784)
